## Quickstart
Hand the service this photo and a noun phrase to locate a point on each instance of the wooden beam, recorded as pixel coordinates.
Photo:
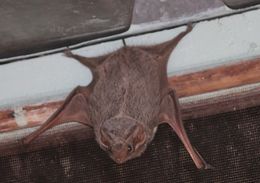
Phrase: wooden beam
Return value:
(223, 77)
(10, 142)
(186, 85)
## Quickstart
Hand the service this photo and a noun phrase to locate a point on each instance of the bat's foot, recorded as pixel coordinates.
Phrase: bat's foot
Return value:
(207, 167)
(190, 26)
(201, 164)
(68, 53)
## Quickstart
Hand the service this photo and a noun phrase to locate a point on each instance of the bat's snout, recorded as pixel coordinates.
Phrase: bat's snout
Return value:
(119, 161)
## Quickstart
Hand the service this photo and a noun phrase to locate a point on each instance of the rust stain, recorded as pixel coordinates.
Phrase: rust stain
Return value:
(7, 125)
(6, 114)
(38, 114)
(48, 105)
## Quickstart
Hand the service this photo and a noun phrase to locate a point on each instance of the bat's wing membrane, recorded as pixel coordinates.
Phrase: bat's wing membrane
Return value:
(90, 62)
(170, 113)
(74, 109)
(165, 49)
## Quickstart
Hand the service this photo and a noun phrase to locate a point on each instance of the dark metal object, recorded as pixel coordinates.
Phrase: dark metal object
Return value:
(173, 11)
(31, 26)
(238, 4)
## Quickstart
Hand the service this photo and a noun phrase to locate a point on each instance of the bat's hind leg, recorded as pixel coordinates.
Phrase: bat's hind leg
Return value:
(170, 113)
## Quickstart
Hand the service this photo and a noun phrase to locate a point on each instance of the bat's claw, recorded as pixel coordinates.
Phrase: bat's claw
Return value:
(190, 27)
(208, 166)
(68, 53)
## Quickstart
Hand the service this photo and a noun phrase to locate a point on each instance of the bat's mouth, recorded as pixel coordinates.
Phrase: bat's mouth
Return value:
(119, 161)
(119, 157)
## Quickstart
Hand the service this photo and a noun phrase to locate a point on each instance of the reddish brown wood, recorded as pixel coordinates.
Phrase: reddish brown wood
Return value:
(186, 85)
(190, 110)
(6, 114)
(8, 125)
(221, 104)
(7, 121)
(217, 78)
(37, 115)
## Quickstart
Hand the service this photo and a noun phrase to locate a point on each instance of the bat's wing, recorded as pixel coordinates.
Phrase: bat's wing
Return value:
(165, 49)
(91, 62)
(170, 113)
(74, 109)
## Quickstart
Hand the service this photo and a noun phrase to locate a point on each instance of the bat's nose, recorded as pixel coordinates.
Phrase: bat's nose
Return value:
(119, 153)
(120, 160)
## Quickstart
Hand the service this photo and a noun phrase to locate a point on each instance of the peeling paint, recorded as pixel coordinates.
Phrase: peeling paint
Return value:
(20, 118)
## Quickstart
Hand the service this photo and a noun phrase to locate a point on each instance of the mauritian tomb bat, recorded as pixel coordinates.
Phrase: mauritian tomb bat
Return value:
(127, 99)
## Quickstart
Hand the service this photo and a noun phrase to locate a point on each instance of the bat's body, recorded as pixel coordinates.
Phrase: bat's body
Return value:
(126, 101)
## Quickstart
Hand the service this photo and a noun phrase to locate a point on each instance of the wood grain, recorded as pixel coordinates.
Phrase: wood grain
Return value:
(7, 121)
(218, 78)
(186, 85)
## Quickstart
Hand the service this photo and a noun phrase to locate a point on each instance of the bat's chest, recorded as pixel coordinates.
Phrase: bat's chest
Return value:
(128, 86)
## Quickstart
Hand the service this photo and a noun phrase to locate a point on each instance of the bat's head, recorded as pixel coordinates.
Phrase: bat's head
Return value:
(123, 138)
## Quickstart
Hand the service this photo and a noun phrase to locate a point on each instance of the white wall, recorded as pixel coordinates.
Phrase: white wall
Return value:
(211, 43)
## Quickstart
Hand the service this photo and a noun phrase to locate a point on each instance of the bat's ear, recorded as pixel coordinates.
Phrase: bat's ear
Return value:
(165, 49)
(139, 136)
(104, 138)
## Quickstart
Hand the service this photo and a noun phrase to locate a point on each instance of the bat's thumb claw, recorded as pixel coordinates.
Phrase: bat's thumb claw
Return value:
(189, 26)
(68, 53)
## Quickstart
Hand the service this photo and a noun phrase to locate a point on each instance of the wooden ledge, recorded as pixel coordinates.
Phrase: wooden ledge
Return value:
(219, 78)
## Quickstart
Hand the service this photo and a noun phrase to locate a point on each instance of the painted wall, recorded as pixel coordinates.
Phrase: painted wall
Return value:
(211, 43)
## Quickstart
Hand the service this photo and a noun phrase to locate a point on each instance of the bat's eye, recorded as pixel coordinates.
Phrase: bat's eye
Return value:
(129, 148)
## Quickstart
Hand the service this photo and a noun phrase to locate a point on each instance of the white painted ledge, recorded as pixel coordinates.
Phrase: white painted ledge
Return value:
(211, 43)
(49, 77)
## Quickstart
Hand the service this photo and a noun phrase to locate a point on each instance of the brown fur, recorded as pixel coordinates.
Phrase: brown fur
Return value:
(126, 101)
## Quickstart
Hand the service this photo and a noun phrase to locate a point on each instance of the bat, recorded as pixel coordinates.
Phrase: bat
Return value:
(127, 99)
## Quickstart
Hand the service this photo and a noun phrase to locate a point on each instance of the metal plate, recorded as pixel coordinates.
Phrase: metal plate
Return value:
(174, 11)
(35, 25)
